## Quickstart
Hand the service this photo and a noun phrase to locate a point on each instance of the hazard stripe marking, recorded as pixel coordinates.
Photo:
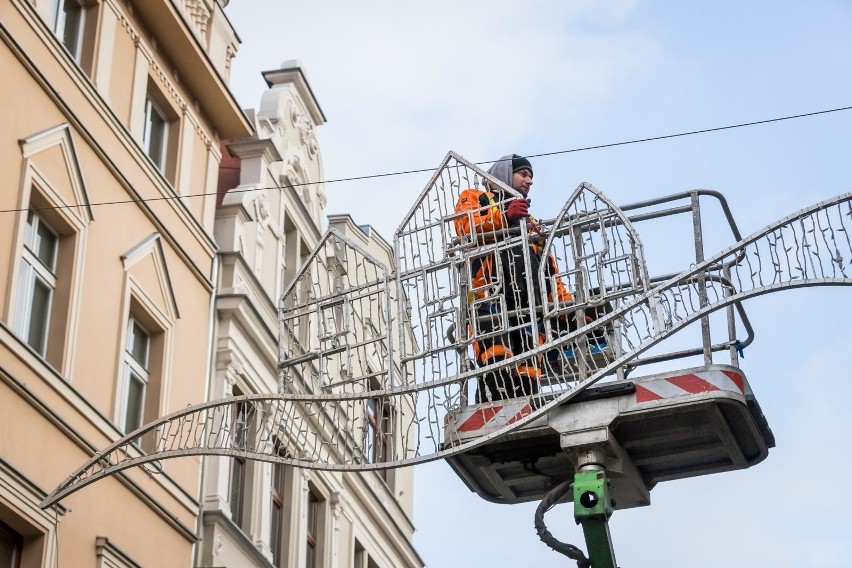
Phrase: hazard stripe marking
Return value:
(521, 413)
(647, 391)
(645, 395)
(693, 384)
(479, 418)
(662, 388)
(717, 379)
(737, 379)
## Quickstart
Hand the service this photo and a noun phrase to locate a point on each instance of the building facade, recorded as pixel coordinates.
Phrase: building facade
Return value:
(105, 310)
(269, 219)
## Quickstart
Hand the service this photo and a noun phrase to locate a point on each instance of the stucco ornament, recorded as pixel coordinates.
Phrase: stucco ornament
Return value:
(300, 120)
(295, 166)
(262, 204)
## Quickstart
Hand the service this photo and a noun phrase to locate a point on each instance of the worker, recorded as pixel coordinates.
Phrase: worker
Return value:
(488, 215)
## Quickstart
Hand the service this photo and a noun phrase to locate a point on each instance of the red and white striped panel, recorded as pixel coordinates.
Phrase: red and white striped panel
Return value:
(690, 383)
(490, 416)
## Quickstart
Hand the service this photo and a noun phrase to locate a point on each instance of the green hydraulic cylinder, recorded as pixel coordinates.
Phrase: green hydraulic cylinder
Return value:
(593, 506)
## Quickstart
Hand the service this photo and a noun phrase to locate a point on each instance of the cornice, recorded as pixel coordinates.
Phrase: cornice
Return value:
(245, 149)
(291, 72)
(121, 132)
(218, 518)
(185, 52)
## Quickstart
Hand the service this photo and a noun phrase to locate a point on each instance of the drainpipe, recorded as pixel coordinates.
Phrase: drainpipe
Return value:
(211, 364)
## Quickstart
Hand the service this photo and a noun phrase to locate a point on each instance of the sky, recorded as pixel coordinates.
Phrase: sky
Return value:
(403, 83)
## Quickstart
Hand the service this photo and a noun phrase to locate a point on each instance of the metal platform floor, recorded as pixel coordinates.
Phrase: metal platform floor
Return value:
(650, 429)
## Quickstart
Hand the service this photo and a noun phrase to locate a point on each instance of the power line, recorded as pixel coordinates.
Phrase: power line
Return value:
(423, 170)
(690, 133)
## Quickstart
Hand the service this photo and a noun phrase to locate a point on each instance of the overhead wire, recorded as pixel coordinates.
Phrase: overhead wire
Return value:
(424, 170)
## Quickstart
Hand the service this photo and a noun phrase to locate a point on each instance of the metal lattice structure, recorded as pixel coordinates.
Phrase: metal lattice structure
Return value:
(375, 358)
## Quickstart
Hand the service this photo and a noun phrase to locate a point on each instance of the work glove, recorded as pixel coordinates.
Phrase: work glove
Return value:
(517, 210)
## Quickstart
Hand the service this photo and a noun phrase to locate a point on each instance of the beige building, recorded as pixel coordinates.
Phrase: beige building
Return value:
(269, 220)
(105, 310)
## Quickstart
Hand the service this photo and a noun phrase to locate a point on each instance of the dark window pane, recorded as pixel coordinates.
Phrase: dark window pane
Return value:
(72, 28)
(39, 314)
(157, 130)
(238, 472)
(275, 533)
(277, 478)
(312, 514)
(28, 232)
(310, 558)
(135, 403)
(139, 345)
(10, 547)
(46, 246)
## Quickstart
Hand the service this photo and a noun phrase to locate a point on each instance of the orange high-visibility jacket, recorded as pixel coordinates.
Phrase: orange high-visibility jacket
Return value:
(487, 216)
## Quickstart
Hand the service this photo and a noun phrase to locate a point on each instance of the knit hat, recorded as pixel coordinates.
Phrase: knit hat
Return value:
(520, 163)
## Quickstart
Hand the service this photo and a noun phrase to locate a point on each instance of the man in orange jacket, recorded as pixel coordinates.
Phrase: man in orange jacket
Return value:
(489, 215)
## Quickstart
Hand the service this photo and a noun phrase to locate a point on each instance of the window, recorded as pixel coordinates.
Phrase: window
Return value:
(362, 559)
(141, 380)
(37, 282)
(49, 244)
(155, 135)
(67, 18)
(276, 539)
(359, 561)
(10, 547)
(379, 439)
(110, 556)
(313, 530)
(239, 468)
(136, 375)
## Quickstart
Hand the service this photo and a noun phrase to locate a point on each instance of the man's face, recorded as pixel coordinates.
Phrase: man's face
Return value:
(522, 180)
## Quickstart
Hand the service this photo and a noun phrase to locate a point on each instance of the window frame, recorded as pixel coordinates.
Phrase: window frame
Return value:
(312, 528)
(66, 211)
(378, 415)
(278, 510)
(32, 270)
(156, 317)
(59, 26)
(153, 108)
(133, 367)
(238, 472)
(359, 556)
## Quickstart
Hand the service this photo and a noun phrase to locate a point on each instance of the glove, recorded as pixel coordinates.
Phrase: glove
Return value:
(518, 209)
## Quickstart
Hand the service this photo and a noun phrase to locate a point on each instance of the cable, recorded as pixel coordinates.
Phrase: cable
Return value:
(423, 170)
(569, 550)
(690, 133)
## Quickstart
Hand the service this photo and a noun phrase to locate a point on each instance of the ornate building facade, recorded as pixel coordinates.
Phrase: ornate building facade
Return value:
(105, 310)
(269, 219)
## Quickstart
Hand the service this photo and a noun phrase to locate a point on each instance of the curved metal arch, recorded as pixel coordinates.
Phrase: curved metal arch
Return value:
(336, 315)
(576, 217)
(110, 461)
(449, 188)
(803, 249)
(428, 247)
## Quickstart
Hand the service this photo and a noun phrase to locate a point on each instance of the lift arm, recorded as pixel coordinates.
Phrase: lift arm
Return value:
(593, 506)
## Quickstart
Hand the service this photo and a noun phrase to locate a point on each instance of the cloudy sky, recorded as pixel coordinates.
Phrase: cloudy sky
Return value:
(402, 83)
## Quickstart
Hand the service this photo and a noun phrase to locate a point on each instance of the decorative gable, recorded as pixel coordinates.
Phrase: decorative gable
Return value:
(51, 158)
(145, 264)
